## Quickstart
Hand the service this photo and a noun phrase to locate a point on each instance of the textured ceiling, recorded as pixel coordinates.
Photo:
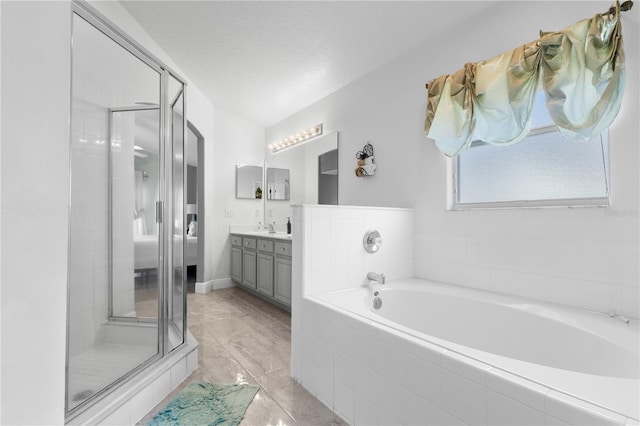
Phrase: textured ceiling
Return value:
(265, 60)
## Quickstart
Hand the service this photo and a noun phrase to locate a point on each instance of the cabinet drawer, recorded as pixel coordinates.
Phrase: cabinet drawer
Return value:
(236, 240)
(283, 249)
(265, 245)
(249, 243)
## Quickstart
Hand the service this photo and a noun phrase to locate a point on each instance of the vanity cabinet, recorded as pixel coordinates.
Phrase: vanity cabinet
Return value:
(263, 267)
(282, 277)
(236, 264)
(236, 258)
(249, 258)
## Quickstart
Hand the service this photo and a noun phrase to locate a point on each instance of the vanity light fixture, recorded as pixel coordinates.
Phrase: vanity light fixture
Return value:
(299, 137)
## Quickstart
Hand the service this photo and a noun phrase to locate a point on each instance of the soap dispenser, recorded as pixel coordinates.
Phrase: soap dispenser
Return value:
(288, 225)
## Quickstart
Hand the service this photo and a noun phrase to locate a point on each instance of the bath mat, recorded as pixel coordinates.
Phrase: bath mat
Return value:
(207, 404)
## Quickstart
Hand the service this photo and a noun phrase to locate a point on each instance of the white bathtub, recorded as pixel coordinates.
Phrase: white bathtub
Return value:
(566, 357)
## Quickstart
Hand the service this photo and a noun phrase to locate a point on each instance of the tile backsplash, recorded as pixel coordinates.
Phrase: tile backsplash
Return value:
(598, 276)
(333, 236)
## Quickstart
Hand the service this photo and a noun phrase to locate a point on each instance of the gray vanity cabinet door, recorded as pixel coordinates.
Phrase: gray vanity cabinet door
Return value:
(282, 277)
(265, 274)
(249, 268)
(236, 265)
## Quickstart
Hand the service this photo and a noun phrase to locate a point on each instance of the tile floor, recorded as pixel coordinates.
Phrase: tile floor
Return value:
(246, 340)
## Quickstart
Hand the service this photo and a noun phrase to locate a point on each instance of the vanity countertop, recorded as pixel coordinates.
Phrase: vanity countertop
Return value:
(265, 234)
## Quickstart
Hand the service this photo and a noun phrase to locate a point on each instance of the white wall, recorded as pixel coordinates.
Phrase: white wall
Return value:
(579, 257)
(35, 200)
(238, 141)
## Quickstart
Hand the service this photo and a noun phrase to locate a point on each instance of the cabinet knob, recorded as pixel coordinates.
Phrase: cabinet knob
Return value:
(282, 249)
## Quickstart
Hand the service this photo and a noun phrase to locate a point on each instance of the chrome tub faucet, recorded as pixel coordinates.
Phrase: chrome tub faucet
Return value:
(379, 278)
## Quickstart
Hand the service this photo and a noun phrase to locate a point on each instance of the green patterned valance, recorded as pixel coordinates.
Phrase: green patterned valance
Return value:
(580, 69)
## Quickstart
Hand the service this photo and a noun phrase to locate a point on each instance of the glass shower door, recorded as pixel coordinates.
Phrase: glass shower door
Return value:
(126, 285)
(115, 276)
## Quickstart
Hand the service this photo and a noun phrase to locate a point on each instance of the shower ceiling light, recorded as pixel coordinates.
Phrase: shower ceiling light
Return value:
(297, 138)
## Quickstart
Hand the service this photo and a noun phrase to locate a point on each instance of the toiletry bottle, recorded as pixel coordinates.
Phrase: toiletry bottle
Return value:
(288, 225)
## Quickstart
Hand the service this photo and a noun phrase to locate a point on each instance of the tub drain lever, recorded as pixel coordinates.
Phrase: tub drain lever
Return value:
(614, 314)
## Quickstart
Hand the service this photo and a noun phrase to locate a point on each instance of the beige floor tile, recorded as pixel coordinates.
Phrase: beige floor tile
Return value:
(301, 405)
(260, 353)
(264, 410)
(244, 339)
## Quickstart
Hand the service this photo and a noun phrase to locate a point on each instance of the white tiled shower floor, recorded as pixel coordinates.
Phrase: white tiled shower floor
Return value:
(97, 367)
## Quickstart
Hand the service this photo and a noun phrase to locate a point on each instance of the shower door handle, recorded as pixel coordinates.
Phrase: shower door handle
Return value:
(158, 211)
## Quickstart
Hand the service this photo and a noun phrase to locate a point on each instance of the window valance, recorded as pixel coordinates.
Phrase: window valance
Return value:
(580, 69)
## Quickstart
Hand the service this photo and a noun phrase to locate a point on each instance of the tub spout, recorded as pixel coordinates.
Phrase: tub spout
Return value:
(372, 276)
(614, 314)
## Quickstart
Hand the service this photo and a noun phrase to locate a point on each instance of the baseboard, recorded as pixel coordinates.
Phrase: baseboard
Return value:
(204, 287)
(216, 284)
(222, 283)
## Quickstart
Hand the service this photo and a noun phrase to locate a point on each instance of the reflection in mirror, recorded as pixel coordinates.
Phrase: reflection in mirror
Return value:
(328, 177)
(313, 176)
(277, 184)
(248, 182)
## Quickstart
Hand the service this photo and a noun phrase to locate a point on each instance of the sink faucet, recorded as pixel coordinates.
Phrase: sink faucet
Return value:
(372, 276)
(272, 228)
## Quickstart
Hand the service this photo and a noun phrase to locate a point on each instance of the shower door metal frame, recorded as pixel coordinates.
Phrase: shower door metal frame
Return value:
(169, 131)
(159, 220)
(94, 18)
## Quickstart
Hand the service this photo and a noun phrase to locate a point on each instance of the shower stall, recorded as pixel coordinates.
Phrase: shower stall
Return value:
(126, 290)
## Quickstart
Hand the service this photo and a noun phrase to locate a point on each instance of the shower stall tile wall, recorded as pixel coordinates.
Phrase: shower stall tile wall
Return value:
(88, 285)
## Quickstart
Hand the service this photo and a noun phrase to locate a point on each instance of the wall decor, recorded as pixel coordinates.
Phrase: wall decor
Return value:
(366, 166)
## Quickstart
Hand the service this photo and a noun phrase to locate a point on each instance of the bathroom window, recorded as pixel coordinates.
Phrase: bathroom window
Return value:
(545, 169)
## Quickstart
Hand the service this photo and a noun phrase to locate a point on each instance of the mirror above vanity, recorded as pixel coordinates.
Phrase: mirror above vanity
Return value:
(306, 173)
(249, 184)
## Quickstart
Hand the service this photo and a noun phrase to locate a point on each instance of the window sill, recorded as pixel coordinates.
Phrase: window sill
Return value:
(533, 204)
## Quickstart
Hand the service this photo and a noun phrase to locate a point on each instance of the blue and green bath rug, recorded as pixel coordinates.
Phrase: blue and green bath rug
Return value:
(207, 404)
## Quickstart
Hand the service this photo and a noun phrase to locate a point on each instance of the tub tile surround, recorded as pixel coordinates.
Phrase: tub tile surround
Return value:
(578, 262)
(428, 385)
(369, 374)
